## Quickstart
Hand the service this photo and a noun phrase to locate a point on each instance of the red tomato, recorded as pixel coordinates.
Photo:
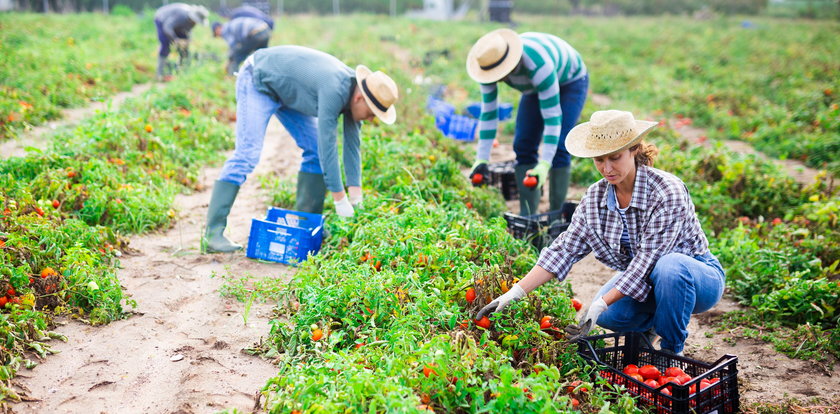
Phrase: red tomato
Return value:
(11, 291)
(575, 403)
(665, 391)
(545, 322)
(631, 369)
(576, 304)
(683, 378)
(649, 372)
(637, 377)
(317, 334)
(674, 372)
(470, 295)
(483, 322)
(428, 370)
(530, 181)
(3, 301)
(56, 204)
(652, 383)
(477, 178)
(469, 204)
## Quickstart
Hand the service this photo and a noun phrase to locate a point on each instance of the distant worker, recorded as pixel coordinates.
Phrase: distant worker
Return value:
(251, 11)
(174, 23)
(308, 91)
(244, 35)
(553, 80)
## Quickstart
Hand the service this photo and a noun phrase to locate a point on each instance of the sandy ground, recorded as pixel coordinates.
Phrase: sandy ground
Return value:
(181, 351)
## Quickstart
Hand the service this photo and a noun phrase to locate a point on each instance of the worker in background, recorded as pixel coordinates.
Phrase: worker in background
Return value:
(174, 23)
(308, 91)
(244, 35)
(553, 81)
(251, 11)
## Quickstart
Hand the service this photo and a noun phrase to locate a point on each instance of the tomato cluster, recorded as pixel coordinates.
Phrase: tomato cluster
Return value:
(653, 378)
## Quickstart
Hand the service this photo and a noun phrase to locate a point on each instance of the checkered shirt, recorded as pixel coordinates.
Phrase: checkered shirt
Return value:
(660, 220)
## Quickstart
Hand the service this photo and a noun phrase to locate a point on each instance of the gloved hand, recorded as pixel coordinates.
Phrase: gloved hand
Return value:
(355, 200)
(480, 167)
(540, 171)
(500, 303)
(344, 208)
(181, 44)
(587, 322)
(355, 194)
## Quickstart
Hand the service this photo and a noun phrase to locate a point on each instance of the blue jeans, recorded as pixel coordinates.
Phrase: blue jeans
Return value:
(682, 286)
(253, 111)
(529, 123)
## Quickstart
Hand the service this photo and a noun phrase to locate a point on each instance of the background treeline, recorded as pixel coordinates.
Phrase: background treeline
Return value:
(788, 8)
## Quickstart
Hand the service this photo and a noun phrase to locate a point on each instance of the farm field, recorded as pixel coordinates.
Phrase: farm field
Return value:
(100, 232)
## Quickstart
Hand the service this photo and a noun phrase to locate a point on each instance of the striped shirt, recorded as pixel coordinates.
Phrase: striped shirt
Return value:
(548, 62)
(317, 84)
(660, 220)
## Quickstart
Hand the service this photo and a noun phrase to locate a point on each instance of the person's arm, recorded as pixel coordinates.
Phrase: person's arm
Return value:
(167, 24)
(352, 156)
(329, 108)
(488, 121)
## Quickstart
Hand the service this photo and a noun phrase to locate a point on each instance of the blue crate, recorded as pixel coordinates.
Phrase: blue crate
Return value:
(285, 236)
(460, 127)
(505, 110)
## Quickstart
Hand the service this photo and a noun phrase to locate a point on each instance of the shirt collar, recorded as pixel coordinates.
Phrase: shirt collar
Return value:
(640, 192)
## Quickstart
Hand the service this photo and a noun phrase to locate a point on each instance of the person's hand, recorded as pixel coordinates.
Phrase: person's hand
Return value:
(355, 194)
(540, 171)
(500, 303)
(480, 173)
(344, 208)
(181, 44)
(587, 322)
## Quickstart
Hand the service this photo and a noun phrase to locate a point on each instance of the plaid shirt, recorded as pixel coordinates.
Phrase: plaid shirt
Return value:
(660, 220)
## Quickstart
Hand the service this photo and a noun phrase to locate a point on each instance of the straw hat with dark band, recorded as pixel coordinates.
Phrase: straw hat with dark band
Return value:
(380, 93)
(606, 132)
(494, 56)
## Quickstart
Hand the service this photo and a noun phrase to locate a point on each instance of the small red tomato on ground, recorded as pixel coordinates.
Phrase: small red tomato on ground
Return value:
(777, 221)
(360, 345)
(47, 272)
(469, 204)
(477, 178)
(56, 204)
(576, 304)
(545, 322)
(575, 403)
(71, 174)
(649, 372)
(483, 322)
(530, 181)
(317, 334)
(429, 370)
(3, 301)
(470, 295)
(148, 128)
(11, 291)
(39, 211)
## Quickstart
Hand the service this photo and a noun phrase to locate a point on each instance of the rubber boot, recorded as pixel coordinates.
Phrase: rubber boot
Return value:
(311, 190)
(529, 198)
(224, 193)
(558, 181)
(161, 67)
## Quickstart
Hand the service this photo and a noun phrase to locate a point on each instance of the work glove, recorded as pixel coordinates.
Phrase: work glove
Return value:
(480, 167)
(587, 322)
(355, 200)
(355, 194)
(181, 44)
(500, 303)
(541, 172)
(344, 208)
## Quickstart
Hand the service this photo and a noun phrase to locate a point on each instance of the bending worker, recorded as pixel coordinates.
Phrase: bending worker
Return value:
(244, 35)
(174, 23)
(308, 90)
(553, 80)
(251, 11)
(640, 221)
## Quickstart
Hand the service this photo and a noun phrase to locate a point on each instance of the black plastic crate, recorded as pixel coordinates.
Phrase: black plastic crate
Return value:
(541, 229)
(502, 176)
(617, 350)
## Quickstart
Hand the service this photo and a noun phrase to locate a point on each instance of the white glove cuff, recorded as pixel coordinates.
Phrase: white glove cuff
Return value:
(344, 208)
(356, 200)
(515, 293)
(599, 305)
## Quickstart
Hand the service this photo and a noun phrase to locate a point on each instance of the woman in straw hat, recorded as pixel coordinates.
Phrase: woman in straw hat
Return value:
(553, 80)
(640, 221)
(307, 90)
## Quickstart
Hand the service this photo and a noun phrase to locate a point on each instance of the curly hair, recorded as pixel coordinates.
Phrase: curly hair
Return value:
(646, 154)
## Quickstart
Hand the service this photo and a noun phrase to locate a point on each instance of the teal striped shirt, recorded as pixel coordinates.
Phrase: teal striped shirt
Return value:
(547, 63)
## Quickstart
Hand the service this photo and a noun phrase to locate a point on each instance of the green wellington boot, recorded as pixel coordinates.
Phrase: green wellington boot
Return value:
(529, 198)
(311, 190)
(558, 181)
(224, 194)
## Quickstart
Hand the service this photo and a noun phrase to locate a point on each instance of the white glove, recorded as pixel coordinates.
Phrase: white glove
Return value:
(588, 321)
(181, 43)
(344, 208)
(355, 200)
(500, 303)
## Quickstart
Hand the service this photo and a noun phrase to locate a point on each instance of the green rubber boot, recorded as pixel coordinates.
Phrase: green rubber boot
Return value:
(558, 181)
(311, 190)
(224, 194)
(529, 198)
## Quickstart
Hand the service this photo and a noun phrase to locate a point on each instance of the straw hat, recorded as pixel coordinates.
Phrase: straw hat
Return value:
(605, 133)
(494, 56)
(198, 14)
(380, 93)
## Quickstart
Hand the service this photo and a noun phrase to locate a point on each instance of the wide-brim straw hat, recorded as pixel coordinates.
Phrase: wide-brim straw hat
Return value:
(380, 93)
(199, 14)
(606, 132)
(494, 56)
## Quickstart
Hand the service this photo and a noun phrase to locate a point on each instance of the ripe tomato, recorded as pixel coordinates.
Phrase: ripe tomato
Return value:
(545, 322)
(469, 204)
(470, 295)
(56, 204)
(683, 378)
(666, 391)
(483, 322)
(673, 372)
(576, 304)
(477, 178)
(11, 291)
(3, 301)
(637, 377)
(575, 403)
(428, 370)
(148, 128)
(317, 334)
(530, 181)
(649, 372)
(71, 174)
(39, 211)
(652, 383)
(631, 369)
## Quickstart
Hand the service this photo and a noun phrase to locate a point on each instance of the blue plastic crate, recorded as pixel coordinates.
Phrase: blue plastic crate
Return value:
(461, 128)
(285, 236)
(505, 110)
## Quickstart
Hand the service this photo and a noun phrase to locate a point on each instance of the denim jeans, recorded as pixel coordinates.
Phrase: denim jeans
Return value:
(529, 123)
(253, 111)
(682, 286)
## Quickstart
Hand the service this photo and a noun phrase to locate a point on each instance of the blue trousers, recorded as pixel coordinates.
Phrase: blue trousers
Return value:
(530, 124)
(682, 286)
(253, 111)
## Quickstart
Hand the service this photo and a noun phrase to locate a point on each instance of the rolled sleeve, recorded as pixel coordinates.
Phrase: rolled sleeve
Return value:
(569, 248)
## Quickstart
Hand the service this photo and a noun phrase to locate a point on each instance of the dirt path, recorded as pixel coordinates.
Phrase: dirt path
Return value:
(37, 136)
(130, 365)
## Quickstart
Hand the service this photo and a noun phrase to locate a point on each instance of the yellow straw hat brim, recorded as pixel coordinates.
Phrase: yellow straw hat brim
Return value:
(388, 117)
(507, 66)
(581, 144)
